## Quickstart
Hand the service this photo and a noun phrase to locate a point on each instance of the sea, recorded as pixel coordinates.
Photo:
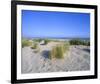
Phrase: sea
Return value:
(59, 38)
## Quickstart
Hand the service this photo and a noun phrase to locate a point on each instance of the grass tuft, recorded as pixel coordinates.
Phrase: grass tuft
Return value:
(26, 43)
(46, 41)
(59, 50)
(35, 46)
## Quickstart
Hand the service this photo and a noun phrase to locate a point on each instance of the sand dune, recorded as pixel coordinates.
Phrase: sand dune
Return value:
(77, 59)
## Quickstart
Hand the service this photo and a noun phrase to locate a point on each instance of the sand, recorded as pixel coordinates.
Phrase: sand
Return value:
(78, 59)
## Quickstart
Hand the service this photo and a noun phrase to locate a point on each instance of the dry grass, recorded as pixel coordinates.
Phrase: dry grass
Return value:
(35, 46)
(26, 43)
(59, 50)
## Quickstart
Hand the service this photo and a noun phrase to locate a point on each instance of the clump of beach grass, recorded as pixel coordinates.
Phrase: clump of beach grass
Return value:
(46, 41)
(26, 43)
(59, 50)
(36, 47)
(52, 53)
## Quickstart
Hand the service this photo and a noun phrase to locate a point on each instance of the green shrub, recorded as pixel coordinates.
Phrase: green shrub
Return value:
(79, 42)
(35, 46)
(46, 41)
(75, 42)
(87, 43)
(26, 43)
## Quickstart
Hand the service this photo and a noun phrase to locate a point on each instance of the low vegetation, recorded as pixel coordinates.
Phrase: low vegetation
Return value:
(58, 51)
(66, 46)
(46, 41)
(37, 40)
(79, 42)
(26, 43)
(35, 46)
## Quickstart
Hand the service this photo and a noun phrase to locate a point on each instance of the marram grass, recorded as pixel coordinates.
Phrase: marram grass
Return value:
(26, 43)
(46, 41)
(35, 46)
(59, 50)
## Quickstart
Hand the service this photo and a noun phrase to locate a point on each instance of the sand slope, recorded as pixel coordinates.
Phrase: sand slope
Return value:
(77, 59)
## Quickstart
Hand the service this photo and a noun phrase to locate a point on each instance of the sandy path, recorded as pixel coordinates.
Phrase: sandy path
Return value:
(77, 59)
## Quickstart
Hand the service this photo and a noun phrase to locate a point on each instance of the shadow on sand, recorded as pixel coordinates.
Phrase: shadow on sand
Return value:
(45, 54)
(87, 50)
(43, 44)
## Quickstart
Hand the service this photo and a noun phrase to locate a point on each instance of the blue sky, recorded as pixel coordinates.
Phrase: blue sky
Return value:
(55, 24)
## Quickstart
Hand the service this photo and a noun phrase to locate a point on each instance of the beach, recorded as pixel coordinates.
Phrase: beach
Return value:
(77, 59)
